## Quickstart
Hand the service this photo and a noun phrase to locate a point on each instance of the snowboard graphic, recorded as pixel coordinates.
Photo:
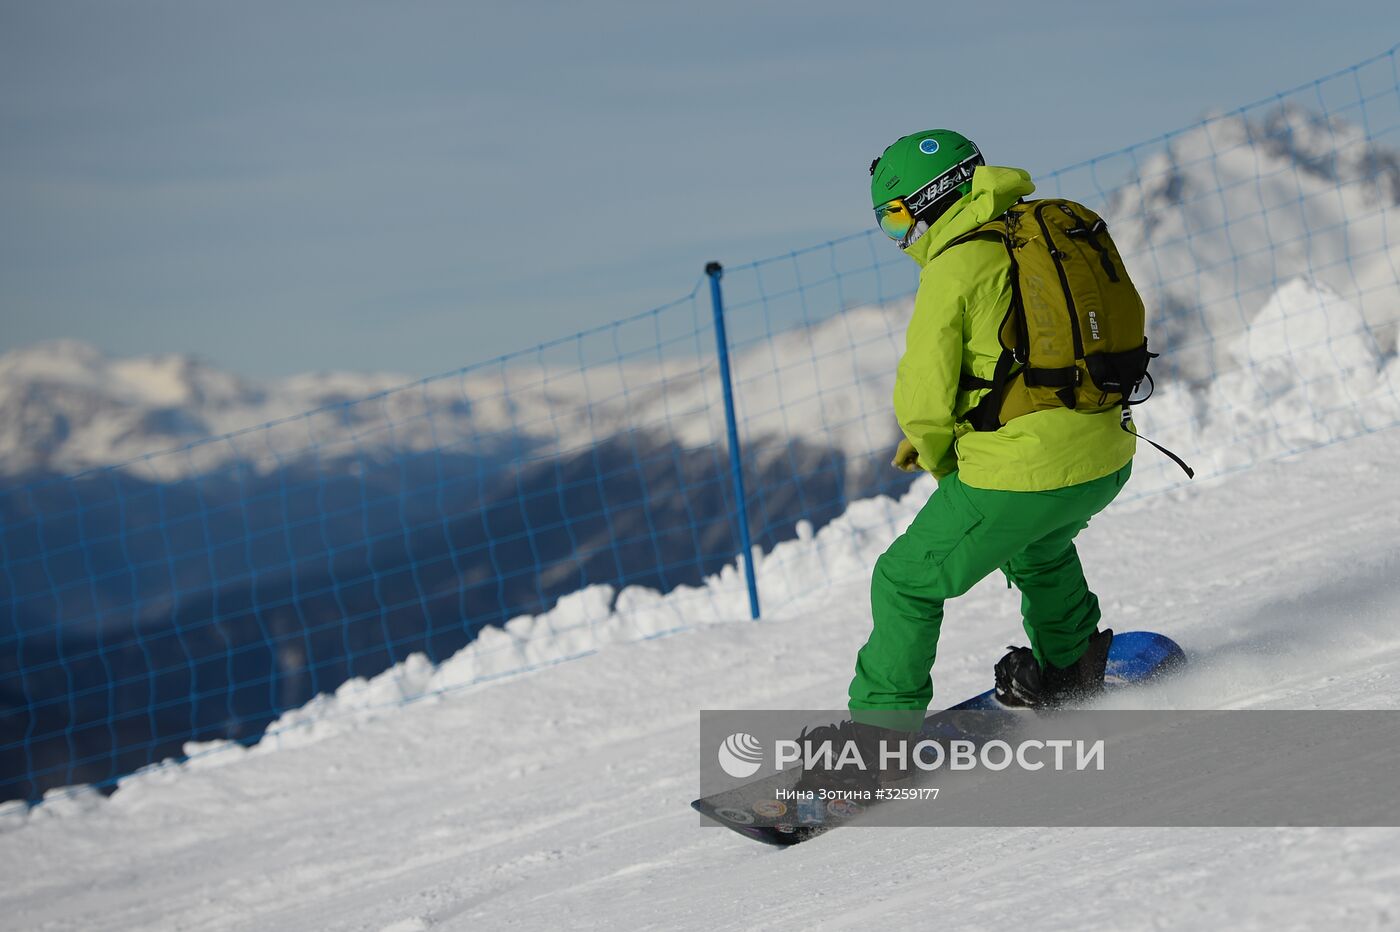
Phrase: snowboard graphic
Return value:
(755, 810)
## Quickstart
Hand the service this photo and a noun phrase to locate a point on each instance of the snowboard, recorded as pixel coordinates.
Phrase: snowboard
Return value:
(756, 811)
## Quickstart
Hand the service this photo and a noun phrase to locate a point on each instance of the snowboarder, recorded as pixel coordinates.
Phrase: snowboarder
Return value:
(1012, 498)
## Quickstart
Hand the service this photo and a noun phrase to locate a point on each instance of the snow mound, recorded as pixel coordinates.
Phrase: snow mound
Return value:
(1307, 370)
(1307, 334)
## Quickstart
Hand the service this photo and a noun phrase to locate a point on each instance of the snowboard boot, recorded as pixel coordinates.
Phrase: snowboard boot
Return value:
(867, 740)
(1022, 682)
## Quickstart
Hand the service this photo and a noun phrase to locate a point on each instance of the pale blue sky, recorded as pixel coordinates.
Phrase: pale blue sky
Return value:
(415, 186)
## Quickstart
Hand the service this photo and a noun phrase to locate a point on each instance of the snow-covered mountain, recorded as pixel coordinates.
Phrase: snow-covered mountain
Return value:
(66, 407)
(1221, 217)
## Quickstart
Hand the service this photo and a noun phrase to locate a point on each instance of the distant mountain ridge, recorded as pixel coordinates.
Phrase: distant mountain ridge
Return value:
(66, 407)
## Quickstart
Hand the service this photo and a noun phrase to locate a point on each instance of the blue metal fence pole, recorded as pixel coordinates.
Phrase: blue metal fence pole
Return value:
(736, 461)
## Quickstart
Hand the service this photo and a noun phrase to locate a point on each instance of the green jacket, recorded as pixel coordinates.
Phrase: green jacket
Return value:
(963, 295)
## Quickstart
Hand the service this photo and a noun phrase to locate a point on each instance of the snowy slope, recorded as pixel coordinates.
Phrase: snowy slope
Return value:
(1307, 370)
(559, 798)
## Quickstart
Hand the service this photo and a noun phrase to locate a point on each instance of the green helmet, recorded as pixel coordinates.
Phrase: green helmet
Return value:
(930, 171)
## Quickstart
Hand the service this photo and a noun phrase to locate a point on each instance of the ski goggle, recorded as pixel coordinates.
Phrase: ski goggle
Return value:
(895, 219)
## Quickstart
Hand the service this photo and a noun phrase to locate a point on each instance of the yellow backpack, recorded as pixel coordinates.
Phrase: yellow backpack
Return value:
(1073, 336)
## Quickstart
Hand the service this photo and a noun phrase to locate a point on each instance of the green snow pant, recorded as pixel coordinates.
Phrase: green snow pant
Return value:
(960, 536)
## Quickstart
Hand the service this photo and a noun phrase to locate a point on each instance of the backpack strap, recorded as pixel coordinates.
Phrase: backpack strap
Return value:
(1066, 379)
(1126, 422)
(987, 415)
(1090, 233)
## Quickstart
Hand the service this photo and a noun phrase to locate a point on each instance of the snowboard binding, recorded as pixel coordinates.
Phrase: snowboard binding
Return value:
(867, 740)
(1021, 682)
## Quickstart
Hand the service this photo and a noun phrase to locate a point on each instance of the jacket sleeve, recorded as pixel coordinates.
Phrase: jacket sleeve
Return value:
(926, 383)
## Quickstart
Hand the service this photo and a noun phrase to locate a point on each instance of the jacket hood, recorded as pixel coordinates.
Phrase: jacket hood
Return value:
(994, 189)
